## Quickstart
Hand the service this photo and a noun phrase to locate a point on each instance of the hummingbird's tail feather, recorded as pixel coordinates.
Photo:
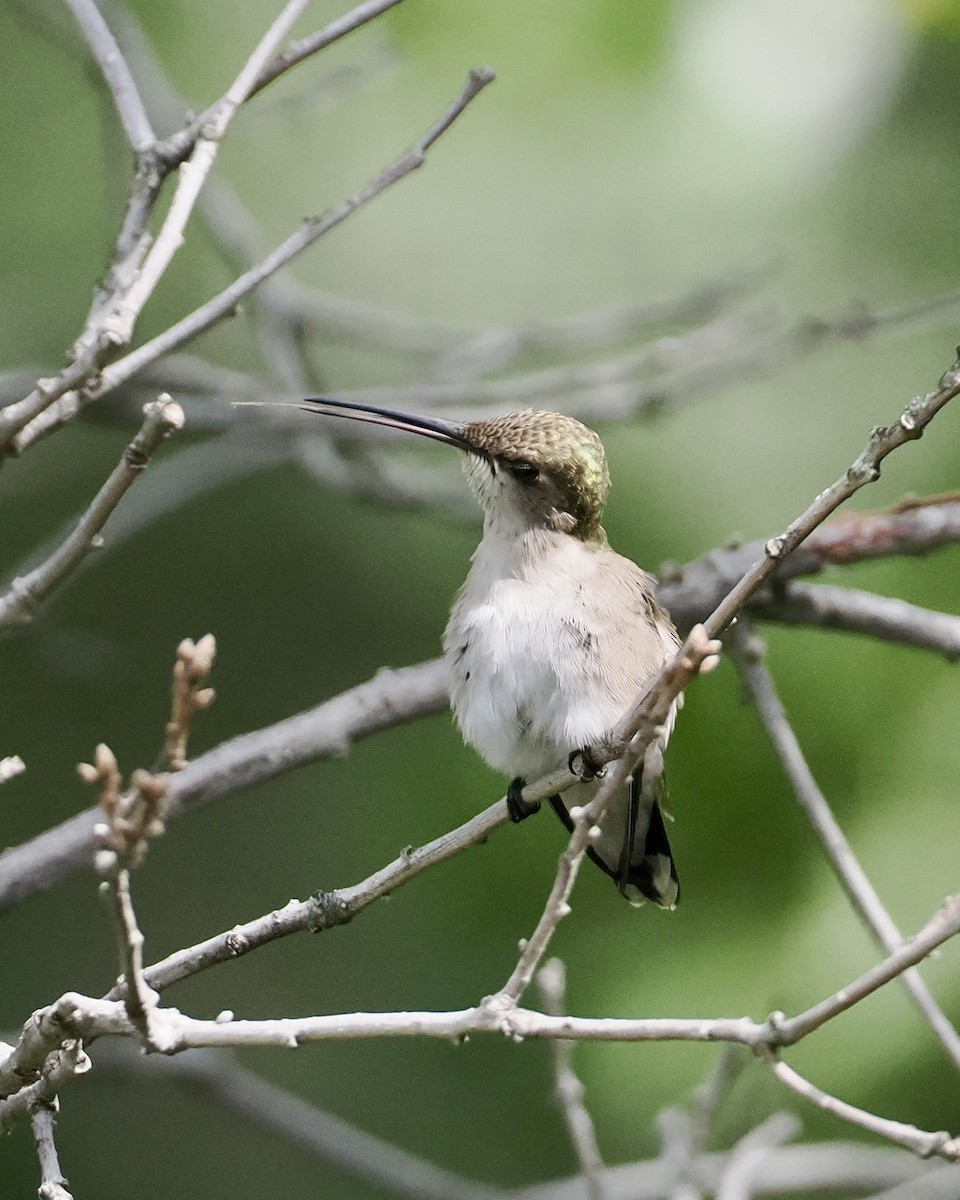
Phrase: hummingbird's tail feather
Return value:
(650, 874)
(633, 848)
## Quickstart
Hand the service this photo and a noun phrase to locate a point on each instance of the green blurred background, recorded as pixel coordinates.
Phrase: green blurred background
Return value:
(626, 152)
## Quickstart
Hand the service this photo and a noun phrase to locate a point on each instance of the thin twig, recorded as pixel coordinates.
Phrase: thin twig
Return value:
(97, 342)
(920, 1141)
(161, 418)
(387, 700)
(116, 74)
(551, 980)
(119, 322)
(710, 1095)
(323, 910)
(945, 924)
(43, 1123)
(729, 347)
(47, 418)
(864, 469)
(82, 1016)
(331, 1140)
(180, 145)
(130, 820)
(748, 655)
(837, 1168)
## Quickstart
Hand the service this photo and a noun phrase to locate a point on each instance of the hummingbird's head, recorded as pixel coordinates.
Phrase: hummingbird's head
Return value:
(528, 469)
(533, 468)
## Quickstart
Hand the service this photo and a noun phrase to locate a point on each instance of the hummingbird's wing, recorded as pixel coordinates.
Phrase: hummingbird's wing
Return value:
(634, 637)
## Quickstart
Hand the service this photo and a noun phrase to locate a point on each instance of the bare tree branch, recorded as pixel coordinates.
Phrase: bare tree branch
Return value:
(685, 1131)
(110, 320)
(49, 416)
(130, 819)
(388, 699)
(863, 470)
(748, 655)
(852, 611)
(116, 73)
(30, 1087)
(937, 1184)
(911, 528)
(180, 145)
(221, 1080)
(53, 1186)
(76, 1016)
(551, 980)
(710, 1095)
(119, 322)
(749, 1154)
(161, 418)
(394, 697)
(944, 925)
(834, 1166)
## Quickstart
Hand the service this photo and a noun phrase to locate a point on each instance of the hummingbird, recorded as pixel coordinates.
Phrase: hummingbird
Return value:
(553, 634)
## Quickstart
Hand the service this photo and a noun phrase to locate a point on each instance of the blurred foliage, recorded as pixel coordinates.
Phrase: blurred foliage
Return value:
(934, 16)
(621, 155)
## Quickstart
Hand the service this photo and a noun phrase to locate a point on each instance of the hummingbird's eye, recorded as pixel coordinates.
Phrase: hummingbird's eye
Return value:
(524, 472)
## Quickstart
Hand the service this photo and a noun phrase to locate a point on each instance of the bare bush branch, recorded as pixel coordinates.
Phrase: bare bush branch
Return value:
(330, 1139)
(911, 528)
(117, 325)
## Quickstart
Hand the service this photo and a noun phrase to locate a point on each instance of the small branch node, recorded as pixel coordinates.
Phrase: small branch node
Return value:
(328, 909)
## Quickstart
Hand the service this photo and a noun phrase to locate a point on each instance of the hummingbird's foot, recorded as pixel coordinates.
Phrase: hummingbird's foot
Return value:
(517, 807)
(582, 764)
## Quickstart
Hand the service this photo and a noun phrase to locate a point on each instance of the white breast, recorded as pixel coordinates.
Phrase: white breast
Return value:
(523, 647)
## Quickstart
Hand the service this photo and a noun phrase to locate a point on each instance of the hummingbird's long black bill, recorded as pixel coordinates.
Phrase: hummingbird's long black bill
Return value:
(439, 430)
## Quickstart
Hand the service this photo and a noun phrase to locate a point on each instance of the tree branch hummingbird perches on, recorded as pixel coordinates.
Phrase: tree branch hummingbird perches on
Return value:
(553, 633)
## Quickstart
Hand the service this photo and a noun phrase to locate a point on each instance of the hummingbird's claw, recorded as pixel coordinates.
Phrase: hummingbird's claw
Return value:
(582, 764)
(517, 807)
